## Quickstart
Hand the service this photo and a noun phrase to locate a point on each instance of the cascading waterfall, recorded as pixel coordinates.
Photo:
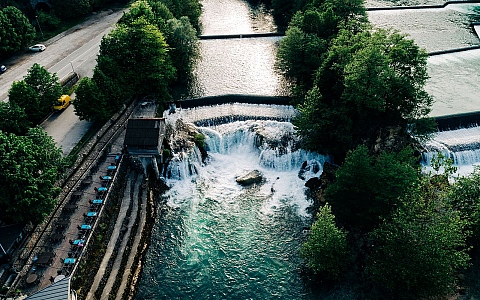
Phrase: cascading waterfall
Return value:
(219, 240)
(461, 145)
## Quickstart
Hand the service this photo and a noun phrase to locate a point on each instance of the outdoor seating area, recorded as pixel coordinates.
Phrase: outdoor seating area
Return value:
(70, 253)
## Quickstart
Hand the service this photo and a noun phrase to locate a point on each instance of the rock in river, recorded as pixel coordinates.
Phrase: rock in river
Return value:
(251, 177)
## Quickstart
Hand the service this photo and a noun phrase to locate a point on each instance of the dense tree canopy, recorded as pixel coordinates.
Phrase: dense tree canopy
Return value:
(16, 32)
(71, 9)
(30, 166)
(36, 93)
(368, 188)
(418, 252)
(13, 119)
(326, 251)
(373, 79)
(308, 36)
(182, 8)
(180, 35)
(133, 62)
(182, 38)
(465, 198)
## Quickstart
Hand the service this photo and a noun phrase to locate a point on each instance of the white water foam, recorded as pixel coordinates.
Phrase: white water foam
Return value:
(460, 145)
(236, 149)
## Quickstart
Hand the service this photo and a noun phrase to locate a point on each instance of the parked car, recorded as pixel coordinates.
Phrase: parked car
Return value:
(37, 48)
(2, 69)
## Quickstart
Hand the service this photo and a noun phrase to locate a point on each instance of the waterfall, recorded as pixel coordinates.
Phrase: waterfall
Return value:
(272, 145)
(460, 145)
(227, 113)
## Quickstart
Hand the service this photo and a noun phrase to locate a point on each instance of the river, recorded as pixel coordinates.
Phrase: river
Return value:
(214, 239)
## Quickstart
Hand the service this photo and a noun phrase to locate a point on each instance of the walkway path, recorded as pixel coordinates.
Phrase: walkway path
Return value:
(124, 240)
(111, 244)
(136, 243)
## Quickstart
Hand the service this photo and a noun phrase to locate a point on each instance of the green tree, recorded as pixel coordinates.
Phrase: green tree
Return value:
(188, 8)
(182, 37)
(418, 252)
(464, 196)
(30, 166)
(138, 9)
(90, 102)
(13, 119)
(308, 36)
(71, 9)
(48, 20)
(36, 93)
(376, 79)
(367, 188)
(133, 62)
(283, 10)
(20, 31)
(326, 251)
(162, 14)
(15, 31)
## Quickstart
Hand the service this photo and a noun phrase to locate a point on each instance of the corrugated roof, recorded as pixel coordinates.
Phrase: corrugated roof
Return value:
(57, 291)
(144, 132)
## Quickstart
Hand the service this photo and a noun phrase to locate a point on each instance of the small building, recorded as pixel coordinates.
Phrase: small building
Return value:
(144, 140)
(144, 137)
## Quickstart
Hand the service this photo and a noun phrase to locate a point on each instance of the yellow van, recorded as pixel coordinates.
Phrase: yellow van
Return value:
(63, 102)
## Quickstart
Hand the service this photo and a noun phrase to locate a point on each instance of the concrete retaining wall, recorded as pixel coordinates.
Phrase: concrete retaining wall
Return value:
(464, 120)
(240, 36)
(222, 99)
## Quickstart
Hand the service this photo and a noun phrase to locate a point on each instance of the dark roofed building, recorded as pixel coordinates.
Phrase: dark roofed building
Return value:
(145, 136)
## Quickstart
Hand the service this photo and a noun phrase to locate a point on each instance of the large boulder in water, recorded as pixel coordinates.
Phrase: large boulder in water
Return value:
(254, 176)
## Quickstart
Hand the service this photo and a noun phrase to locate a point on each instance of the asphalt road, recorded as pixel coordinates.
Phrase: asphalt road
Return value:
(74, 50)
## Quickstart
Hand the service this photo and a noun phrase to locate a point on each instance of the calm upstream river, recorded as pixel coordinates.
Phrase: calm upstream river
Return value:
(214, 239)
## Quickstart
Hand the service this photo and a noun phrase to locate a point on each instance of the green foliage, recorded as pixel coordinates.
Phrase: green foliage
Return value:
(308, 36)
(36, 93)
(30, 166)
(418, 252)
(13, 119)
(167, 153)
(16, 32)
(326, 251)
(199, 140)
(133, 62)
(368, 188)
(326, 134)
(299, 55)
(138, 9)
(91, 103)
(70, 9)
(375, 79)
(283, 10)
(464, 196)
(180, 8)
(48, 21)
(182, 37)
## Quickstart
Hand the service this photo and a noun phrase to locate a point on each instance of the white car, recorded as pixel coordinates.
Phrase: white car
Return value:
(37, 48)
(2, 69)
